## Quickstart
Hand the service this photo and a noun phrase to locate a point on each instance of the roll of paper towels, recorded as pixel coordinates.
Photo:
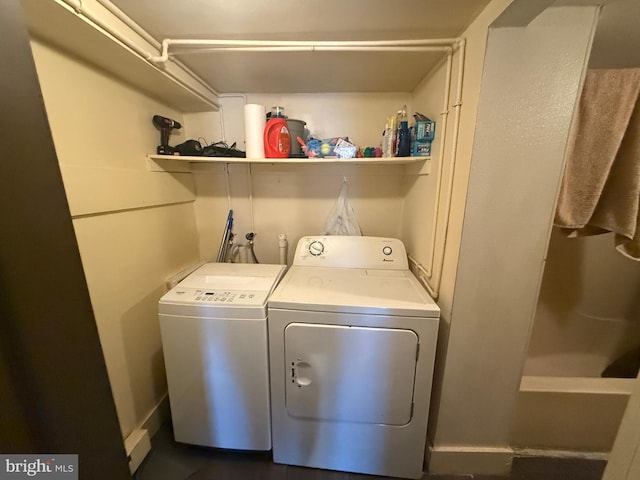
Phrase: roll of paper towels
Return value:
(255, 117)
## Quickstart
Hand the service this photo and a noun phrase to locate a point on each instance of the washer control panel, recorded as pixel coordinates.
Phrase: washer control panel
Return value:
(351, 252)
(217, 297)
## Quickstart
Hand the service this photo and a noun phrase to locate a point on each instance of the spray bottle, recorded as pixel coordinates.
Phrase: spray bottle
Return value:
(389, 145)
(383, 140)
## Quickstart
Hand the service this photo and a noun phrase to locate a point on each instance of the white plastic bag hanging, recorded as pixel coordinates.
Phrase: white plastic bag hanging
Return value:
(342, 219)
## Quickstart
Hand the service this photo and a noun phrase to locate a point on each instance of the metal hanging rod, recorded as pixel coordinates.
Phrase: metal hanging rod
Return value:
(198, 46)
(416, 49)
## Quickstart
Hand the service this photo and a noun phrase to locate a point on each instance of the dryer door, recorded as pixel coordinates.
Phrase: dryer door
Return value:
(352, 374)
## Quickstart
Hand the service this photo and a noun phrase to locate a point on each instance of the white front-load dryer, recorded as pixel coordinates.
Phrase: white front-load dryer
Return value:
(352, 339)
(214, 338)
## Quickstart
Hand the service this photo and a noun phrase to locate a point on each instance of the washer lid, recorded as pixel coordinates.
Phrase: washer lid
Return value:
(234, 276)
(350, 290)
(223, 290)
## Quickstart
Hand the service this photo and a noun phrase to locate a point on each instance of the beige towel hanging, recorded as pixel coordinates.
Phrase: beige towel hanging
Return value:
(600, 190)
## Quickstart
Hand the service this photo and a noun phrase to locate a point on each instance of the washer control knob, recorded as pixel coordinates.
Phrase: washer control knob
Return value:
(387, 250)
(316, 248)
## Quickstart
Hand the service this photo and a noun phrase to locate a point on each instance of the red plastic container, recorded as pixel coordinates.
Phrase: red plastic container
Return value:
(277, 139)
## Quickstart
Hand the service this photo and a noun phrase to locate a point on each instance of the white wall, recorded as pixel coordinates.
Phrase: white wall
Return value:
(615, 45)
(530, 85)
(589, 309)
(588, 313)
(419, 218)
(476, 37)
(125, 272)
(617, 37)
(134, 228)
(296, 199)
(424, 221)
(624, 461)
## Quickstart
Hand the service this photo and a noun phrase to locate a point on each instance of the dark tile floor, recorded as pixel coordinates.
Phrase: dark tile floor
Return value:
(169, 460)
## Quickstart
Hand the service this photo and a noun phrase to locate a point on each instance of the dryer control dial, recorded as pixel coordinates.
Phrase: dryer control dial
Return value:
(387, 250)
(316, 248)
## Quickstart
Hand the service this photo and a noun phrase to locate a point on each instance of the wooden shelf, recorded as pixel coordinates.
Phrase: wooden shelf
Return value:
(316, 161)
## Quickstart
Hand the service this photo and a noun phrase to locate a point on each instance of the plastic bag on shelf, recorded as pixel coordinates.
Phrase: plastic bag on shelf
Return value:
(342, 218)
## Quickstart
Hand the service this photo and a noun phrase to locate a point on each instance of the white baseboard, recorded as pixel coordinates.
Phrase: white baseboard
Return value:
(538, 452)
(138, 443)
(137, 446)
(157, 417)
(453, 460)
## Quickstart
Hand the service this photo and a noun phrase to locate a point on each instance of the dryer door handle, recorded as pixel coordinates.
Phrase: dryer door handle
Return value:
(301, 373)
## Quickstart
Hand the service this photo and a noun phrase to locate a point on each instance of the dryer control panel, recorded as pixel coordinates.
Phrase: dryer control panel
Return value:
(351, 252)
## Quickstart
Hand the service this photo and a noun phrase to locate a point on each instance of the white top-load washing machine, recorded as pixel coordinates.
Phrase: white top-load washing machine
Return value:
(352, 340)
(214, 337)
